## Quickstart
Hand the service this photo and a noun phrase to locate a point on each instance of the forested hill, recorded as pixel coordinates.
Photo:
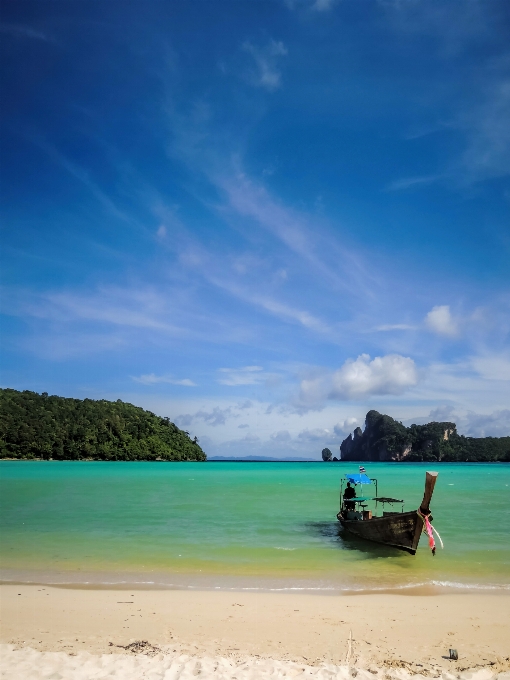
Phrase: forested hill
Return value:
(37, 426)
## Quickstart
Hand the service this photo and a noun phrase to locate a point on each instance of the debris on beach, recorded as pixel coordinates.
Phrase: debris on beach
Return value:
(140, 647)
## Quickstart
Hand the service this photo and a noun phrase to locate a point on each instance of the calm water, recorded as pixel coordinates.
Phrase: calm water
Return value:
(253, 525)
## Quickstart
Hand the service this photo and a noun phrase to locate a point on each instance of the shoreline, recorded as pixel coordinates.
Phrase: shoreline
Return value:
(231, 583)
(410, 633)
(416, 590)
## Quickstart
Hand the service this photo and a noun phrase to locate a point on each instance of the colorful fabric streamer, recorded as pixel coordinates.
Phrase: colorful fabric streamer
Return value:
(428, 529)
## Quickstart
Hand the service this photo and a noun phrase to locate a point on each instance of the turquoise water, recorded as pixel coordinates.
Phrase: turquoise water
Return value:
(255, 525)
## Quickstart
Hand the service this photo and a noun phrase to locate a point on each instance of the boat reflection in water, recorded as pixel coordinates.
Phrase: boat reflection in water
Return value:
(397, 529)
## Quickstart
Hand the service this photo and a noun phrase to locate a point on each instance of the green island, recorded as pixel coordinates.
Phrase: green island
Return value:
(386, 439)
(41, 427)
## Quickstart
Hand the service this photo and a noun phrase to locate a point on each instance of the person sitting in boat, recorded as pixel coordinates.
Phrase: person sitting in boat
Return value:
(350, 492)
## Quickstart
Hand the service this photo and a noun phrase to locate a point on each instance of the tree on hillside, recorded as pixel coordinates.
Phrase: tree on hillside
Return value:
(38, 426)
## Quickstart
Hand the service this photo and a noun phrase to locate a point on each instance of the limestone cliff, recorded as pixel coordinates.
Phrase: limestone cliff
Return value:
(386, 439)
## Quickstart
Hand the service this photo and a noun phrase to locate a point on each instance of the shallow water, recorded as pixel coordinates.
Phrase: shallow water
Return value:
(267, 525)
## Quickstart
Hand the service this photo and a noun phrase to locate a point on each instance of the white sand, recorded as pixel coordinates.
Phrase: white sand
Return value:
(57, 633)
(31, 664)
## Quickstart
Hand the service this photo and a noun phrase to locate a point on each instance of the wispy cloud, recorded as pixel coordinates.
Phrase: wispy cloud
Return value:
(122, 307)
(454, 25)
(492, 366)
(312, 5)
(484, 127)
(266, 73)
(64, 344)
(396, 327)
(480, 118)
(323, 5)
(152, 379)
(408, 182)
(302, 235)
(83, 176)
(286, 312)
(21, 31)
(224, 274)
(487, 130)
(247, 375)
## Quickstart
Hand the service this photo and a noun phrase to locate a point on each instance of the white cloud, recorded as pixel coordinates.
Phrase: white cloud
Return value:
(316, 435)
(161, 232)
(390, 374)
(152, 379)
(442, 414)
(347, 426)
(470, 423)
(440, 320)
(495, 424)
(267, 74)
(281, 436)
(247, 375)
(358, 379)
(217, 416)
(250, 439)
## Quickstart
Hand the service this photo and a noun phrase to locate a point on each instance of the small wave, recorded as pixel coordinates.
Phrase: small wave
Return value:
(440, 585)
(278, 548)
(472, 586)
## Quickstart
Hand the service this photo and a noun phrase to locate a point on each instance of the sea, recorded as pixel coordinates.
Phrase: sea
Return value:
(245, 526)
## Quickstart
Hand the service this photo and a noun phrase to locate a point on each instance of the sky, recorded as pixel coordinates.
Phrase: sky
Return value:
(260, 218)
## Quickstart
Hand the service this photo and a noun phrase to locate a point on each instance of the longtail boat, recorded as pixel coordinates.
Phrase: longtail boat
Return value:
(397, 529)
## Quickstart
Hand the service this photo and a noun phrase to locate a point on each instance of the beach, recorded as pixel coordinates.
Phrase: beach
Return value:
(242, 571)
(51, 628)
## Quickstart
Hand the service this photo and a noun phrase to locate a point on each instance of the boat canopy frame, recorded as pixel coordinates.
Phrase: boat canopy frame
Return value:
(363, 479)
(357, 479)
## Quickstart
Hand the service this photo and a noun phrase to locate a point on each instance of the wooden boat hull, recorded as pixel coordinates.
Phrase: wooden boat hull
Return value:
(402, 530)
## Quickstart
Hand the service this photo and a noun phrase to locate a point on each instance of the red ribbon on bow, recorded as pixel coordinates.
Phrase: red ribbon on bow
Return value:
(427, 526)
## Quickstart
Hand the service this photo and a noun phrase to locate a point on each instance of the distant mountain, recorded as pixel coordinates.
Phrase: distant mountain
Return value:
(261, 459)
(42, 427)
(386, 439)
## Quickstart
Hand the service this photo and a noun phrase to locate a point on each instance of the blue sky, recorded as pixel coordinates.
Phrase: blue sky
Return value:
(261, 219)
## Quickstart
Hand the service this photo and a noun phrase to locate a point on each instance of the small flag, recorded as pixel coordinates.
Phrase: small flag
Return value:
(361, 469)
